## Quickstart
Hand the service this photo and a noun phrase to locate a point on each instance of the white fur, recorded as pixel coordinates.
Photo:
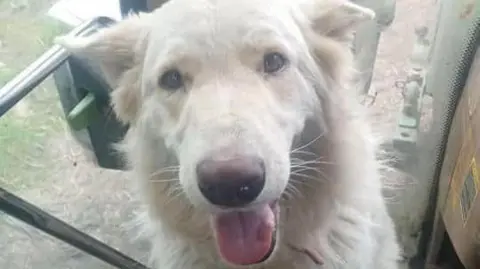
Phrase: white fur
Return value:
(320, 154)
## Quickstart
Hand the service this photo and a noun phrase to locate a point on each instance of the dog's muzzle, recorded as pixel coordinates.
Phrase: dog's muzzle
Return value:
(244, 230)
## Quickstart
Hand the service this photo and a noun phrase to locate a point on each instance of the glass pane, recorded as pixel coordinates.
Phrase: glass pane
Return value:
(41, 162)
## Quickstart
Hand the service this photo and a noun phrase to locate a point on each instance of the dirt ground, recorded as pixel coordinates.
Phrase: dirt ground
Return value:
(102, 203)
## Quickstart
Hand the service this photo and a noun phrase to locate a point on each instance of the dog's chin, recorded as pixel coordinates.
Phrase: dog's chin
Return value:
(247, 237)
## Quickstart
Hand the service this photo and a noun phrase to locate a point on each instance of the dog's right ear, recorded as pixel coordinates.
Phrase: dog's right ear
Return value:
(326, 25)
(118, 50)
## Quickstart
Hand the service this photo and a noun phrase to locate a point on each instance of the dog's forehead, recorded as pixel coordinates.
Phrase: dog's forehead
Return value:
(209, 20)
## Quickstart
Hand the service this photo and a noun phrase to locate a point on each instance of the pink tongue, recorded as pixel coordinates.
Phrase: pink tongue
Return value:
(245, 237)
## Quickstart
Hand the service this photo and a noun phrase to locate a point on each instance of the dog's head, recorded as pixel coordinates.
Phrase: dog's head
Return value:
(227, 86)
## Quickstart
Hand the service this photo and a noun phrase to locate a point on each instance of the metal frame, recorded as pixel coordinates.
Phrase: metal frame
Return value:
(25, 82)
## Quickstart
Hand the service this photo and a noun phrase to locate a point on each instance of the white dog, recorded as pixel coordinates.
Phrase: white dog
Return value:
(246, 135)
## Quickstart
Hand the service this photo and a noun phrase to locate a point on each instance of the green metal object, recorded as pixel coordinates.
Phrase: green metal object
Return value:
(83, 113)
(413, 91)
(427, 70)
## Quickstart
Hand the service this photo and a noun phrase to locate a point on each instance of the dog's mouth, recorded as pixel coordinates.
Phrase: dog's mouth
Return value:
(246, 237)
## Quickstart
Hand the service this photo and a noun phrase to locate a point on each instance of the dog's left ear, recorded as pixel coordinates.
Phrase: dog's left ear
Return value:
(336, 18)
(119, 51)
(116, 48)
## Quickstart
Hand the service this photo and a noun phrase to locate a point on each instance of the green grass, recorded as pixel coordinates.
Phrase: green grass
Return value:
(24, 131)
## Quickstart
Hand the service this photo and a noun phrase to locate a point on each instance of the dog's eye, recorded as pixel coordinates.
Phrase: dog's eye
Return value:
(171, 80)
(273, 62)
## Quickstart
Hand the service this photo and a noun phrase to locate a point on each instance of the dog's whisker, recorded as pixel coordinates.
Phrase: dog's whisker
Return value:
(313, 162)
(287, 195)
(304, 176)
(308, 144)
(295, 167)
(164, 180)
(298, 160)
(291, 192)
(302, 182)
(295, 190)
(299, 168)
(302, 152)
(171, 167)
(311, 167)
(175, 192)
(306, 169)
(164, 170)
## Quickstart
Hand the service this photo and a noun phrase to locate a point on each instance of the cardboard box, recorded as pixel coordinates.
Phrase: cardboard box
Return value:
(461, 174)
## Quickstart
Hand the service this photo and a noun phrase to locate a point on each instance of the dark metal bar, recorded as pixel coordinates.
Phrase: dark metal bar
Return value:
(39, 70)
(34, 216)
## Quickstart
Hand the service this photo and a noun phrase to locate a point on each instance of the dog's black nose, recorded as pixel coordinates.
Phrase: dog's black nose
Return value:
(233, 182)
